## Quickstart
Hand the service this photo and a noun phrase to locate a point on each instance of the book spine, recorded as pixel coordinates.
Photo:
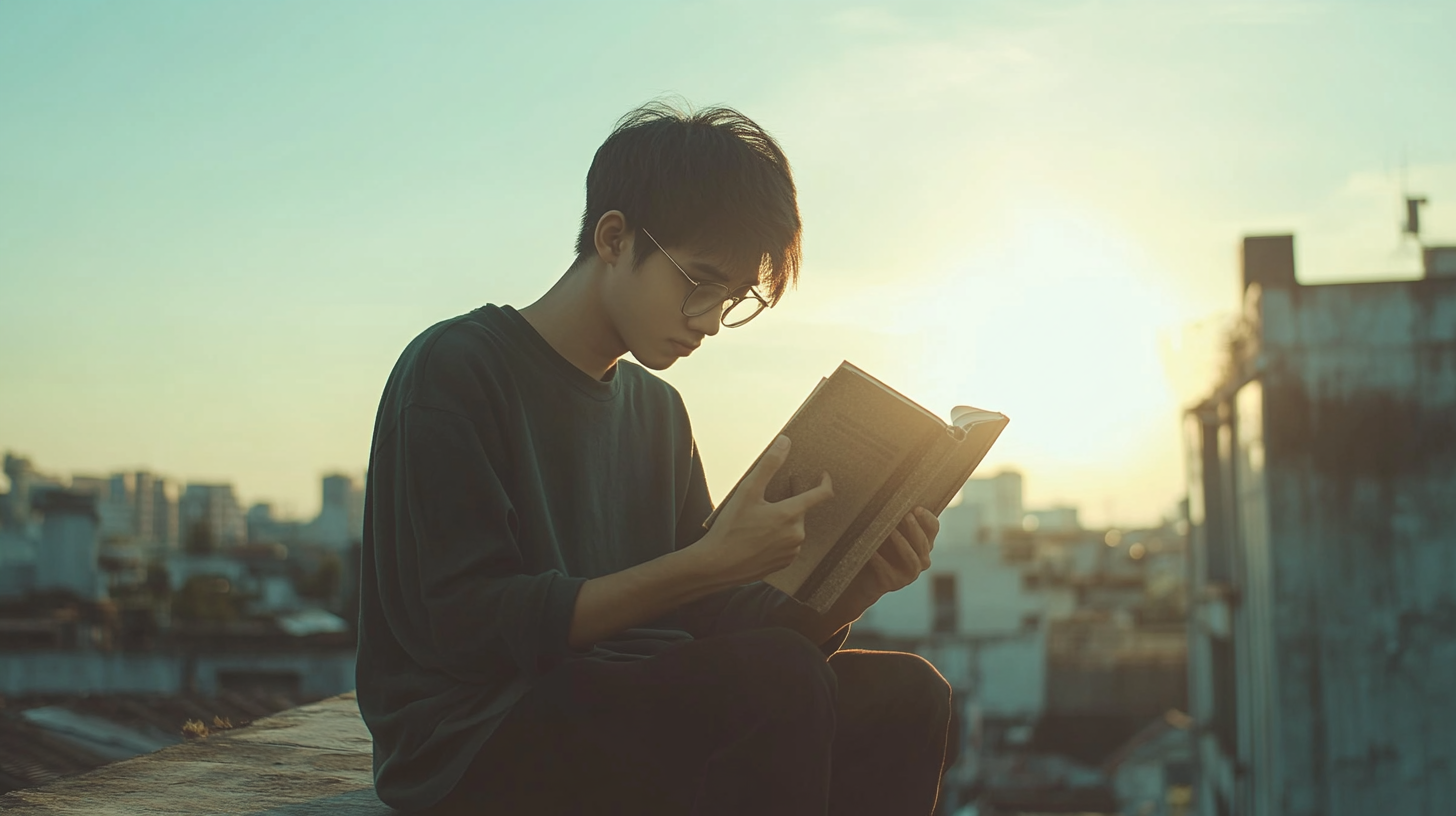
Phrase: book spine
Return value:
(960, 464)
(864, 537)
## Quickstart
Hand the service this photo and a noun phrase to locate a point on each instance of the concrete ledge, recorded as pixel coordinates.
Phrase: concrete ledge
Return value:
(308, 761)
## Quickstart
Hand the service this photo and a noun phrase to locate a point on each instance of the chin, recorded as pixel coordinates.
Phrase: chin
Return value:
(660, 362)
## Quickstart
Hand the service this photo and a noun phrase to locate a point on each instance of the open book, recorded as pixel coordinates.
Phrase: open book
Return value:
(886, 455)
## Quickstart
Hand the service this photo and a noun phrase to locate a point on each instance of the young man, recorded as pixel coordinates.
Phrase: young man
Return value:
(545, 627)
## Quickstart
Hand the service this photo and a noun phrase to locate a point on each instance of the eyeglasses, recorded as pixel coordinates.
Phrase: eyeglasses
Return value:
(705, 297)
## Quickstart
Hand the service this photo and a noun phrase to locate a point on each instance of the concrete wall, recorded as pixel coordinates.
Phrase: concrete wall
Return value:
(1325, 555)
(1360, 430)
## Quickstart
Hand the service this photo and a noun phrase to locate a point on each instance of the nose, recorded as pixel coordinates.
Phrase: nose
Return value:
(708, 322)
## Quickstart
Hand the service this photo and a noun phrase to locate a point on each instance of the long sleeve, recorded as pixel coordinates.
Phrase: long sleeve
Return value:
(501, 479)
(459, 559)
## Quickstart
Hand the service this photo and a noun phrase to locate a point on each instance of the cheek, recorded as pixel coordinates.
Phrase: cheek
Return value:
(641, 313)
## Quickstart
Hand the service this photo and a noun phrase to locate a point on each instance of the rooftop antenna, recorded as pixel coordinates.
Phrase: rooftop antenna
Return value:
(1412, 225)
(1413, 216)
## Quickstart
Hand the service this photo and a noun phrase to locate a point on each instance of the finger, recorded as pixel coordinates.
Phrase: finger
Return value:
(768, 465)
(818, 494)
(878, 565)
(907, 560)
(929, 522)
(887, 574)
(918, 540)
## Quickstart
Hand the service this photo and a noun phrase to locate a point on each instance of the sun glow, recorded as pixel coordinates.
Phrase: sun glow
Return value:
(1056, 326)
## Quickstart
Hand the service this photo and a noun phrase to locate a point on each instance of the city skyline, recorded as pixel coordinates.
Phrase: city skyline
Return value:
(223, 222)
(99, 481)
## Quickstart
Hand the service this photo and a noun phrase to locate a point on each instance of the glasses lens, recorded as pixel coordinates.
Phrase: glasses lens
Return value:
(705, 299)
(742, 312)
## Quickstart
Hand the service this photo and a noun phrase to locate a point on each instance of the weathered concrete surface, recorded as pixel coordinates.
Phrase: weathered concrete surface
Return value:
(1326, 463)
(308, 761)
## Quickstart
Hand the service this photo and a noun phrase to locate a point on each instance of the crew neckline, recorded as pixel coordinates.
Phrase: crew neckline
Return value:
(582, 381)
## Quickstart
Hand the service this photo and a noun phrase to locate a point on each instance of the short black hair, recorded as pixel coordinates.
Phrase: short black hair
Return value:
(710, 179)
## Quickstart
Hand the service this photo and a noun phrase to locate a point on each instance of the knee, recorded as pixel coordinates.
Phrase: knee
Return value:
(788, 671)
(920, 688)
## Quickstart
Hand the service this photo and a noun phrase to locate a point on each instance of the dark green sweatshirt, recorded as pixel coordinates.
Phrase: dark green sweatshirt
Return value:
(501, 478)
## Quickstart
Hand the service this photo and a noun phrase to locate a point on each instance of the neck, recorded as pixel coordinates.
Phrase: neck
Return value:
(570, 316)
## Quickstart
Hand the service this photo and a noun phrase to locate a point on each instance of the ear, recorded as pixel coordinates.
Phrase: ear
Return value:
(613, 239)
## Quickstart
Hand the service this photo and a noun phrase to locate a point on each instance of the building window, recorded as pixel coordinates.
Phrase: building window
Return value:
(944, 611)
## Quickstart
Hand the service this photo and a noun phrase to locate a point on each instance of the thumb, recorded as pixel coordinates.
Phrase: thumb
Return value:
(768, 465)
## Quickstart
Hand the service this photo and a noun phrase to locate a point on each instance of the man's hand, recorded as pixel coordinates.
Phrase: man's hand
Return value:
(899, 560)
(751, 537)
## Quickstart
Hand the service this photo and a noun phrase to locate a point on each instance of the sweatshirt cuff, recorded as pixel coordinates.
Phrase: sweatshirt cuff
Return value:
(555, 631)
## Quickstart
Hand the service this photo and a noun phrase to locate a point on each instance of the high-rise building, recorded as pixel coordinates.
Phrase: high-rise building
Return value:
(210, 517)
(118, 507)
(997, 502)
(140, 507)
(165, 532)
(143, 523)
(341, 513)
(1321, 475)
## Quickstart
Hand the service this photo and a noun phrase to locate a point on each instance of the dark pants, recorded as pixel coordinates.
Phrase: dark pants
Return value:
(755, 722)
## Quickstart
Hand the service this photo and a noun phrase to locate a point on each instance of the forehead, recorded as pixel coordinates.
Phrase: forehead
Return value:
(714, 267)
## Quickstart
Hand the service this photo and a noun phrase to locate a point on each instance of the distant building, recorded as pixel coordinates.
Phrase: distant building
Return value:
(138, 508)
(17, 564)
(1322, 472)
(210, 514)
(66, 557)
(1152, 773)
(341, 513)
(982, 623)
(260, 523)
(996, 501)
(1060, 519)
(26, 485)
(163, 518)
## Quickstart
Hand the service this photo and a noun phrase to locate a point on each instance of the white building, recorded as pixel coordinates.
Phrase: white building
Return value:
(340, 521)
(1059, 519)
(996, 502)
(977, 618)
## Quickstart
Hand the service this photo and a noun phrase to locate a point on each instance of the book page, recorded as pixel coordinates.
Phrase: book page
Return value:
(864, 537)
(861, 433)
(980, 432)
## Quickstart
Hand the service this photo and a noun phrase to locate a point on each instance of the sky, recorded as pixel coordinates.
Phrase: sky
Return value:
(221, 222)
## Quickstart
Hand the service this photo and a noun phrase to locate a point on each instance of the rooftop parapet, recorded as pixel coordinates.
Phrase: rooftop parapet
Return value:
(307, 761)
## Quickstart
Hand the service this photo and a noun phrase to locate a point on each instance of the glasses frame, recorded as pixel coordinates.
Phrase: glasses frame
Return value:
(728, 295)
